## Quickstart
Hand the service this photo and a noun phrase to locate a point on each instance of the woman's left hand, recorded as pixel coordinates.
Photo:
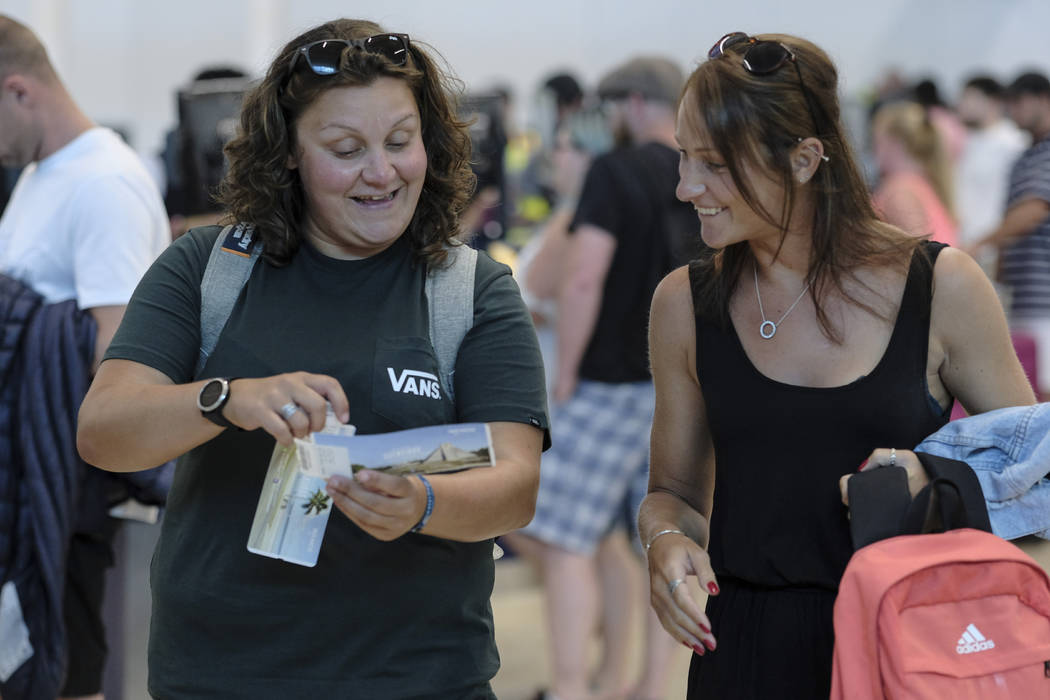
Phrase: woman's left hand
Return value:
(385, 506)
(886, 457)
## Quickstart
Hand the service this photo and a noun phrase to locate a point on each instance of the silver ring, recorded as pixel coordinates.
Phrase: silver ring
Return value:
(288, 410)
(673, 585)
(893, 456)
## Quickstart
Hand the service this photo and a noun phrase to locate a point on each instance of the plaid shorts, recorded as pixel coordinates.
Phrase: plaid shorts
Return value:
(597, 471)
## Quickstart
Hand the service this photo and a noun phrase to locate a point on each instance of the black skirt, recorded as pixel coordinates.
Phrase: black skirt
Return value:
(771, 643)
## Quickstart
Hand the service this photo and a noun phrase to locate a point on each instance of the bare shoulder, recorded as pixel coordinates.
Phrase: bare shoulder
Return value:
(672, 329)
(970, 344)
(674, 296)
(959, 282)
(672, 308)
(965, 314)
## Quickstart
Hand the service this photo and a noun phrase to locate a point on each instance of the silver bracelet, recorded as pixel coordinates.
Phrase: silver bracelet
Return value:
(661, 533)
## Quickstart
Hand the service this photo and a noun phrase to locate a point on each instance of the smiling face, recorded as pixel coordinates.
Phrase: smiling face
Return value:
(704, 181)
(361, 161)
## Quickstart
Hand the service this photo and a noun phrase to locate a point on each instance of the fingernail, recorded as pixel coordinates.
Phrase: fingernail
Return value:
(862, 465)
(713, 587)
(706, 631)
(710, 645)
(699, 650)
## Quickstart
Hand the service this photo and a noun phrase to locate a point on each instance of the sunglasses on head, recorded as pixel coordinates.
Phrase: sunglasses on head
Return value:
(324, 56)
(763, 57)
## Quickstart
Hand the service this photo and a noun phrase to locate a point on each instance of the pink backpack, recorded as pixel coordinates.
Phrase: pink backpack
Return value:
(947, 616)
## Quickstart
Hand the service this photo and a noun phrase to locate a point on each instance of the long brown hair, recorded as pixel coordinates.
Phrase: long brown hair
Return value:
(260, 189)
(757, 120)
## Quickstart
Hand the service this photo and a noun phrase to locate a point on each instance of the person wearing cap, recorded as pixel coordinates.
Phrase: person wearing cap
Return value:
(620, 246)
(1023, 235)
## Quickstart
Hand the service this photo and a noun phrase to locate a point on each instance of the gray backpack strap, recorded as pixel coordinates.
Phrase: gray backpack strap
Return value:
(450, 298)
(230, 264)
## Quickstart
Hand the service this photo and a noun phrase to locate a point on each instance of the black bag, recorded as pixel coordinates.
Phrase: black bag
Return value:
(881, 507)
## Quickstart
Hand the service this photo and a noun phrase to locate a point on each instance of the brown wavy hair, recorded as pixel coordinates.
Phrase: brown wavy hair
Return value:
(757, 120)
(260, 189)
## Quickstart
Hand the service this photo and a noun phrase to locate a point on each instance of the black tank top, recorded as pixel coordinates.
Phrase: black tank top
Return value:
(780, 449)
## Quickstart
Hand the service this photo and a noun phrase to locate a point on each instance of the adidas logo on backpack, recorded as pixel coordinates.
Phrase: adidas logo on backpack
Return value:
(972, 641)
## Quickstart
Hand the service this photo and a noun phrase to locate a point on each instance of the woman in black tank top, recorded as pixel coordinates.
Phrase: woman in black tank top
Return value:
(810, 339)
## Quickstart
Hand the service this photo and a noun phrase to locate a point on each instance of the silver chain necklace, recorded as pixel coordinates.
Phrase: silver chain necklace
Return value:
(768, 329)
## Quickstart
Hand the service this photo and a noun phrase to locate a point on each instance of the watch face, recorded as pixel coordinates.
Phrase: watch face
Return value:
(211, 394)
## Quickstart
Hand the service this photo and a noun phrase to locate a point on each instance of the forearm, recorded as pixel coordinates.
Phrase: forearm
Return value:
(481, 503)
(131, 427)
(1020, 220)
(578, 305)
(547, 266)
(663, 510)
(477, 504)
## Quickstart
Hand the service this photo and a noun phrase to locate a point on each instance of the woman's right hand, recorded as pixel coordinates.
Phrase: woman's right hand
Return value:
(673, 558)
(257, 403)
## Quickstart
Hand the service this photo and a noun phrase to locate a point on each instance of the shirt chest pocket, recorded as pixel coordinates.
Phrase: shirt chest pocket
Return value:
(406, 388)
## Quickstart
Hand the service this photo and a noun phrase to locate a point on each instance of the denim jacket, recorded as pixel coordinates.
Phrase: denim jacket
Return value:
(1009, 449)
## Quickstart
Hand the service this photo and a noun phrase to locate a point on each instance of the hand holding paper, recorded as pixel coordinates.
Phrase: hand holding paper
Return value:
(294, 506)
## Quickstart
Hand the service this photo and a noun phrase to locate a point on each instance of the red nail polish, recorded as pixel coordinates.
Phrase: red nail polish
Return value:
(687, 645)
(862, 465)
(709, 645)
(699, 650)
(705, 630)
(713, 587)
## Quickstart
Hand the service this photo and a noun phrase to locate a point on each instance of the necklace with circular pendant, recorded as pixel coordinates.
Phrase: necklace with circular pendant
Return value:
(767, 329)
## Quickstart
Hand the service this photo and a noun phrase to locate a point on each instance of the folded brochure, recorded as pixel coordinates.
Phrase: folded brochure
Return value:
(293, 508)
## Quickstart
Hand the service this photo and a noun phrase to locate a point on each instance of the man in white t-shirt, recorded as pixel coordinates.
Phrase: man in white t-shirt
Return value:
(994, 145)
(84, 222)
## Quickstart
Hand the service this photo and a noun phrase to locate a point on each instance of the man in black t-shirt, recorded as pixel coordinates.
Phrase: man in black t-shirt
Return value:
(625, 236)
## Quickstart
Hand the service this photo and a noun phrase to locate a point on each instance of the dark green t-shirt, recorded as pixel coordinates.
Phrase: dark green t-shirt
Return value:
(401, 619)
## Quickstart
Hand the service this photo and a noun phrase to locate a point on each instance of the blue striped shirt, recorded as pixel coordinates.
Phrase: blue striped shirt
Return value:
(1026, 262)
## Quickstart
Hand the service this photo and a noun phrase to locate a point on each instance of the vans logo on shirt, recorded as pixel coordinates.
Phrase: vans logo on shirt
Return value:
(972, 641)
(412, 381)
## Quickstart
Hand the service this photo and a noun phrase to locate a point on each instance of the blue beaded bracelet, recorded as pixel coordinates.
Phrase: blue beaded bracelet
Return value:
(430, 505)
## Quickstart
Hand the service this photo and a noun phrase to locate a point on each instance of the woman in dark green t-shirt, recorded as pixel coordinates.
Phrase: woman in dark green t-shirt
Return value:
(352, 168)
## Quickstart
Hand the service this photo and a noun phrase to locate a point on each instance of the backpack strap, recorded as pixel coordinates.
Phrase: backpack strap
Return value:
(450, 302)
(969, 503)
(230, 264)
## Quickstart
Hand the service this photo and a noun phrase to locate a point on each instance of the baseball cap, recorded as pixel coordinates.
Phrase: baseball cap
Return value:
(652, 77)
